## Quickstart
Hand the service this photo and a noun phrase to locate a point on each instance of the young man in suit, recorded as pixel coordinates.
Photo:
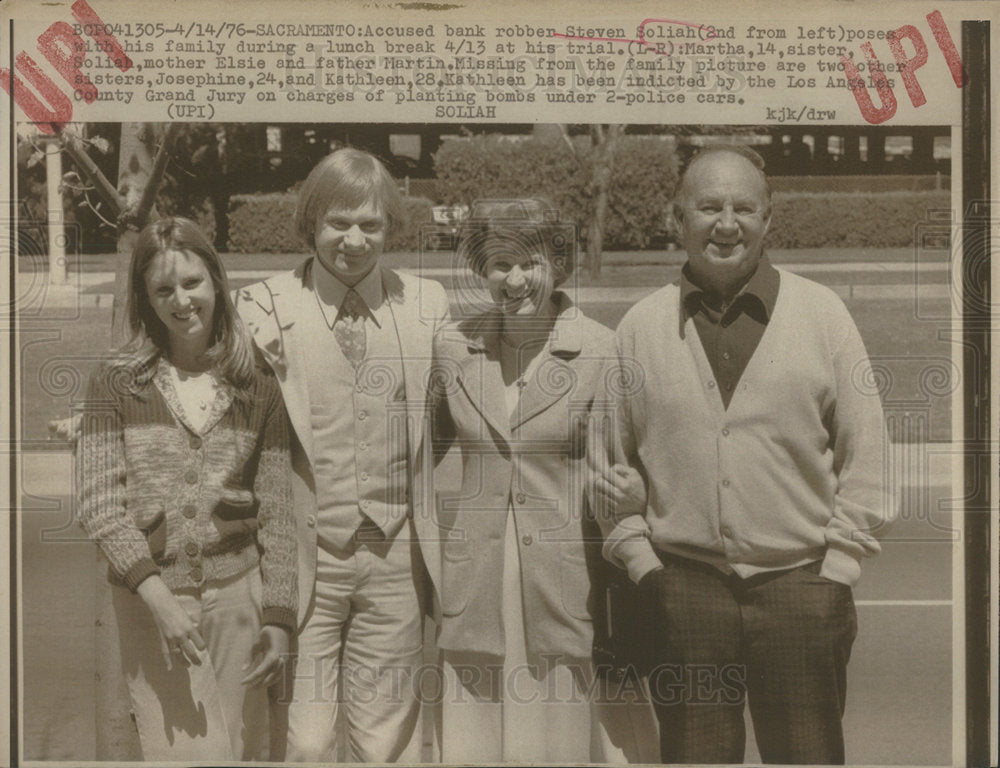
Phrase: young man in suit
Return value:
(350, 341)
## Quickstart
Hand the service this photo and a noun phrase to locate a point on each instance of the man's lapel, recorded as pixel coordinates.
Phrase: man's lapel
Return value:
(415, 336)
(274, 324)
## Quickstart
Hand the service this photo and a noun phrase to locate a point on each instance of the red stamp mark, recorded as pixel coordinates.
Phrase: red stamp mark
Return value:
(907, 65)
(61, 45)
(707, 30)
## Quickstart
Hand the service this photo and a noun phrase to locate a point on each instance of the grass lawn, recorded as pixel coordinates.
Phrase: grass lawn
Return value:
(57, 356)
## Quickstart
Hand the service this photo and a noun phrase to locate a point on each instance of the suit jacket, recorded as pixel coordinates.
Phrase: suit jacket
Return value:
(270, 310)
(534, 463)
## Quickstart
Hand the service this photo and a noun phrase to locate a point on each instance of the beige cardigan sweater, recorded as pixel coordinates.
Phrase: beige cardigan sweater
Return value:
(795, 470)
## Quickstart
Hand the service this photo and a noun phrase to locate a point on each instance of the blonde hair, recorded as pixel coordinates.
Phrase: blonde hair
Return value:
(347, 178)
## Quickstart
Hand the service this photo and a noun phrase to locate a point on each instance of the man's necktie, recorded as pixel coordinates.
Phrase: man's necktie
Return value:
(349, 328)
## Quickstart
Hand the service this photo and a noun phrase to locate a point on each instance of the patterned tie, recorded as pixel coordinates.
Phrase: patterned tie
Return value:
(349, 328)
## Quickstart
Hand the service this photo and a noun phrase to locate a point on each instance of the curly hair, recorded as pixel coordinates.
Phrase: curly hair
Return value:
(519, 225)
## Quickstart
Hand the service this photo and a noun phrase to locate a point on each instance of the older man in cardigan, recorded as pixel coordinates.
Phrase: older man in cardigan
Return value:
(752, 419)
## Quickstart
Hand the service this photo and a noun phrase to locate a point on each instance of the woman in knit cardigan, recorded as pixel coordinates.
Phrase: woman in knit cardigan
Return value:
(183, 466)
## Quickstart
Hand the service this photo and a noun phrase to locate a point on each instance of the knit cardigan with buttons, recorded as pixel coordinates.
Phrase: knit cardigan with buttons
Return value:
(191, 505)
(795, 470)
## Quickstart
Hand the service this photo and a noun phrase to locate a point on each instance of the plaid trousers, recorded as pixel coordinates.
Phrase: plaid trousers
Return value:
(780, 641)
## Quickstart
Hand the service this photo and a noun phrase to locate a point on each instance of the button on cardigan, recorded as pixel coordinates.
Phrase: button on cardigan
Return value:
(795, 470)
(160, 497)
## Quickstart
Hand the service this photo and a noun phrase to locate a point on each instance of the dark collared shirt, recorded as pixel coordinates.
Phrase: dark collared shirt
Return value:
(730, 333)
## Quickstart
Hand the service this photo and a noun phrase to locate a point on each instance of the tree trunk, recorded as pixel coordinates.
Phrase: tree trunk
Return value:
(135, 167)
(605, 142)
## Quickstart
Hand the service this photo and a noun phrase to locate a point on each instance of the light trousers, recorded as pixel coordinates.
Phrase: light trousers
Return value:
(188, 712)
(359, 649)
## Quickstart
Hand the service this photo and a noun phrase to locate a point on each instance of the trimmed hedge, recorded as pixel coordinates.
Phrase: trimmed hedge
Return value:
(492, 166)
(850, 219)
(405, 235)
(265, 223)
(639, 198)
(882, 183)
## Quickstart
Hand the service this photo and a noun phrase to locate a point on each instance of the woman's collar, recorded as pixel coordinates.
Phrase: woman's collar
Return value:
(565, 336)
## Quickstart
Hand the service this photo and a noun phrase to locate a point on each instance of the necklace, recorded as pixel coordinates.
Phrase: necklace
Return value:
(196, 391)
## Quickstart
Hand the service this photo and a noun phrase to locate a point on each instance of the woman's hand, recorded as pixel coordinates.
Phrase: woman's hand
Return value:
(620, 490)
(268, 656)
(178, 634)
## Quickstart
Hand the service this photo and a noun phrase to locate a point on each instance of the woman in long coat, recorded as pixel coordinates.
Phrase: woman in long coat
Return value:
(515, 386)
